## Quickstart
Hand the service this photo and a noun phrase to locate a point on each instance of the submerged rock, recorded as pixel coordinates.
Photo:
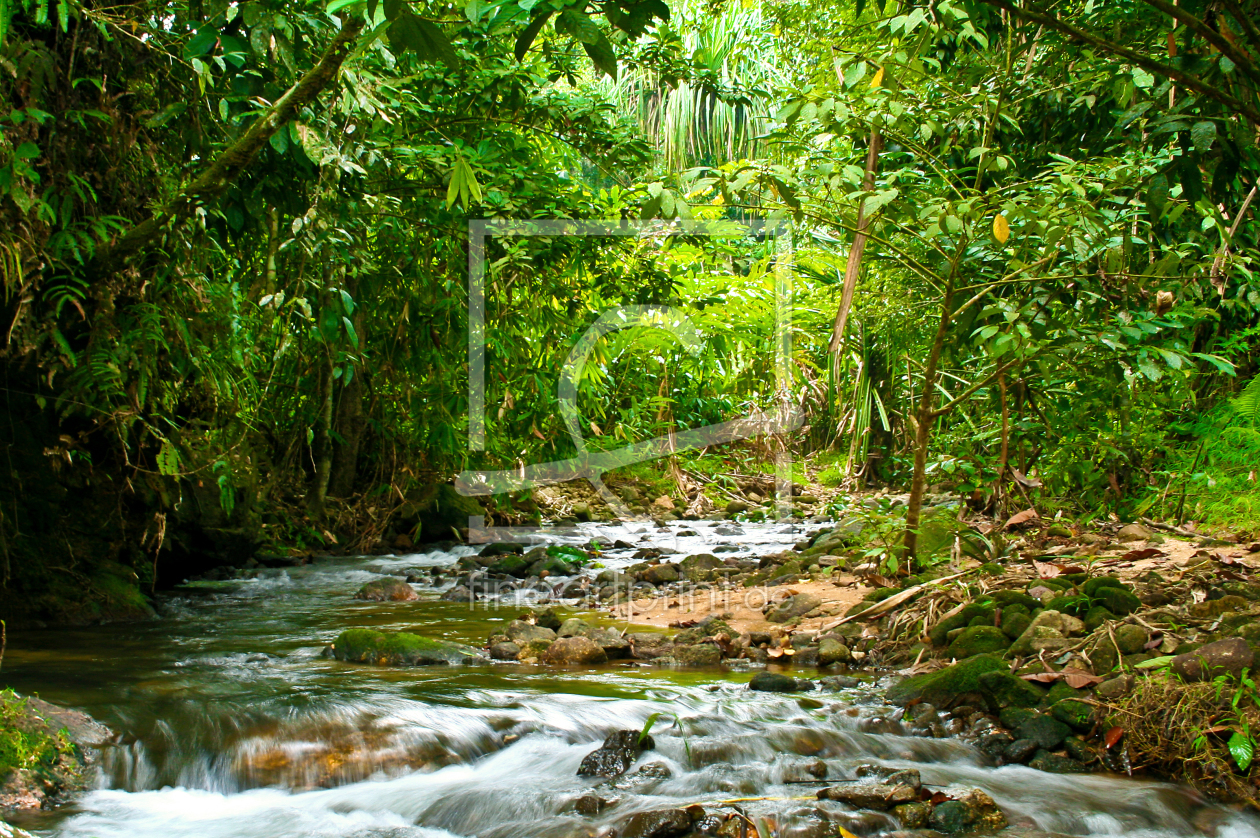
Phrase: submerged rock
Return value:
(793, 607)
(398, 649)
(620, 750)
(387, 590)
(772, 682)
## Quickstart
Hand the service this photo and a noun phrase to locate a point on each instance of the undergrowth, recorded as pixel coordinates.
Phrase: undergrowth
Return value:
(25, 741)
(1199, 733)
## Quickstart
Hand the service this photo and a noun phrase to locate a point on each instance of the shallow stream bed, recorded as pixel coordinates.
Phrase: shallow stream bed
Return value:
(232, 725)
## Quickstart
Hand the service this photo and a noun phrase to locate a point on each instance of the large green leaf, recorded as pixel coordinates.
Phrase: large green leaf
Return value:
(525, 40)
(423, 37)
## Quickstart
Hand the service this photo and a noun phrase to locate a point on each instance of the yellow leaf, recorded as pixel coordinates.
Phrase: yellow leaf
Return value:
(1001, 229)
(844, 833)
(879, 78)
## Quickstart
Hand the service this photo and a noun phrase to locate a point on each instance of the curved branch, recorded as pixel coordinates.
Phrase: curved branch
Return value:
(236, 158)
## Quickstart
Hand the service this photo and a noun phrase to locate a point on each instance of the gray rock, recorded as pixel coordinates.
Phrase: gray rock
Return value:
(659, 823)
(793, 607)
(575, 651)
(521, 632)
(870, 795)
(772, 682)
(1231, 656)
(506, 651)
(387, 590)
(832, 651)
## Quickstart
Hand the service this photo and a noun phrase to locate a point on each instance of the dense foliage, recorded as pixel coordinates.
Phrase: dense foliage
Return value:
(1020, 240)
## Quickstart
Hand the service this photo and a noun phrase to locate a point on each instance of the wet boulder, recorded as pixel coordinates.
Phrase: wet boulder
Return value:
(574, 651)
(1006, 690)
(880, 796)
(832, 651)
(772, 682)
(505, 651)
(698, 654)
(620, 750)
(521, 632)
(973, 811)
(1047, 731)
(459, 593)
(398, 649)
(1229, 656)
(387, 590)
(573, 627)
(511, 564)
(659, 823)
(646, 645)
(502, 548)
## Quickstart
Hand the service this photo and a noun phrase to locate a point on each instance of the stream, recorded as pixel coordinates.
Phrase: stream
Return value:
(232, 725)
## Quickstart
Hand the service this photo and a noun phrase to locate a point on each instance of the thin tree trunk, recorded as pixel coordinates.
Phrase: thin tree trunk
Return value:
(321, 445)
(1000, 504)
(349, 425)
(924, 420)
(853, 267)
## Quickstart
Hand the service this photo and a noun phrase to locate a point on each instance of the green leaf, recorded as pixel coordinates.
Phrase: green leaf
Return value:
(26, 151)
(1154, 662)
(394, 8)
(1202, 134)
(424, 38)
(350, 332)
(580, 26)
(602, 55)
(1156, 195)
(168, 459)
(1242, 749)
(526, 39)
(647, 727)
(1216, 361)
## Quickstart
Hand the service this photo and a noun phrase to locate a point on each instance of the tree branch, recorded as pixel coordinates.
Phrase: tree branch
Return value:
(961, 397)
(1240, 58)
(235, 159)
(1181, 77)
(1246, 21)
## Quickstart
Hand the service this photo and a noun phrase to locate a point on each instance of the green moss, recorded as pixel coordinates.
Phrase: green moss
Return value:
(1096, 617)
(1075, 604)
(1075, 714)
(1006, 690)
(1093, 586)
(26, 741)
(1118, 600)
(1005, 599)
(979, 640)
(942, 687)
(1015, 624)
(397, 649)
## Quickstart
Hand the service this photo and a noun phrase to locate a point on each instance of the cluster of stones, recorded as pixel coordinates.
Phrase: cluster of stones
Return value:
(878, 794)
(1081, 625)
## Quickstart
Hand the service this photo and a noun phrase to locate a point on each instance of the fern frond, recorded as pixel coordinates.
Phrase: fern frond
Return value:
(1248, 402)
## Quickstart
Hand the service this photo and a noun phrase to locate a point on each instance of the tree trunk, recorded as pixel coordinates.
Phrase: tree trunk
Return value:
(853, 266)
(321, 445)
(349, 426)
(924, 420)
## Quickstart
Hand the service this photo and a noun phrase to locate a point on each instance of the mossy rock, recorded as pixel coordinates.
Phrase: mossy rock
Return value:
(943, 687)
(1118, 601)
(1075, 714)
(1013, 625)
(511, 565)
(1014, 717)
(1076, 605)
(980, 621)
(1076, 579)
(979, 640)
(1093, 586)
(398, 649)
(992, 569)
(1059, 691)
(1007, 598)
(1096, 616)
(881, 594)
(939, 634)
(1006, 690)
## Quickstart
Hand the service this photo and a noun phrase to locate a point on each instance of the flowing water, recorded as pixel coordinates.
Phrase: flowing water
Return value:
(232, 725)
